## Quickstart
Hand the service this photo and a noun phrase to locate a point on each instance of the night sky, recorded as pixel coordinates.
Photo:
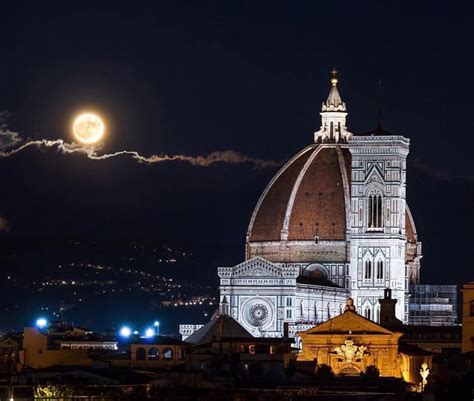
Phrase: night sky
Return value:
(198, 77)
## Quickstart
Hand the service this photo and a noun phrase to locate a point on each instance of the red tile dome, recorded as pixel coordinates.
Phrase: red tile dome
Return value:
(303, 214)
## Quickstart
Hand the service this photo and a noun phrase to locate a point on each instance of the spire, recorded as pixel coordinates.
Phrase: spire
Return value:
(334, 101)
(333, 112)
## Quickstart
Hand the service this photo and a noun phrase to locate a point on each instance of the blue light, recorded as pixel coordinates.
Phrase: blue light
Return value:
(125, 331)
(156, 324)
(41, 323)
(150, 332)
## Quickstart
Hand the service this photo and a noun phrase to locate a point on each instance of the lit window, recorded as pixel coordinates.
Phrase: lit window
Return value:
(375, 212)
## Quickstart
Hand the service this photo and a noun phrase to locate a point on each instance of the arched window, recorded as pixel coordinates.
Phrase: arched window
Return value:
(380, 270)
(472, 308)
(168, 353)
(377, 315)
(140, 354)
(153, 353)
(368, 270)
(375, 214)
(368, 312)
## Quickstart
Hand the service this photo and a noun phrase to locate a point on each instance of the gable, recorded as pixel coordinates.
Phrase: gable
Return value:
(257, 267)
(348, 323)
(374, 174)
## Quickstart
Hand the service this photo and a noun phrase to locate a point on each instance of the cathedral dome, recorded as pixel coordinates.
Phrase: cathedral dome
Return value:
(304, 213)
(304, 205)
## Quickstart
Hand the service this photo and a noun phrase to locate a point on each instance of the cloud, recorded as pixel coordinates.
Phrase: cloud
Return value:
(437, 173)
(225, 156)
(8, 138)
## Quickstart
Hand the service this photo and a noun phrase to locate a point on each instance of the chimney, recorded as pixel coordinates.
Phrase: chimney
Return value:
(285, 331)
(387, 310)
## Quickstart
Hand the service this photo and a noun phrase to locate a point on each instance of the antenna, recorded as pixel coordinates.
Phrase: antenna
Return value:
(379, 117)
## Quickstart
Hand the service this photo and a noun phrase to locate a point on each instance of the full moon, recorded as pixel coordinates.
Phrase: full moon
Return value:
(88, 128)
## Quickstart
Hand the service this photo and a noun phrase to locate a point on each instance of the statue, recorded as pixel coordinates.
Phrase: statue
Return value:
(350, 305)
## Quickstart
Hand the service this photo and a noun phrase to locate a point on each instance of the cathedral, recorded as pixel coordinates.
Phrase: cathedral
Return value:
(333, 223)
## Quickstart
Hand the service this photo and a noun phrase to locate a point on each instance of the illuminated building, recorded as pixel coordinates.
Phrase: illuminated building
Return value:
(351, 343)
(333, 223)
(158, 352)
(468, 317)
(62, 345)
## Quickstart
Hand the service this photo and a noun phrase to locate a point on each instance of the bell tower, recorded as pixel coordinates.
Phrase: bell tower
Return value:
(377, 218)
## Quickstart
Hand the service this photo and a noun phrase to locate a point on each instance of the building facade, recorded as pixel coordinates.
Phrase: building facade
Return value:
(332, 223)
(433, 305)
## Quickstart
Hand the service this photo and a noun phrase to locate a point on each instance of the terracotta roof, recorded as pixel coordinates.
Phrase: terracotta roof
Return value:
(269, 215)
(230, 328)
(410, 226)
(310, 189)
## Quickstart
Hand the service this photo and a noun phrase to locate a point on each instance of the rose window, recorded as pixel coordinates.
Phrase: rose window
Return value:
(258, 314)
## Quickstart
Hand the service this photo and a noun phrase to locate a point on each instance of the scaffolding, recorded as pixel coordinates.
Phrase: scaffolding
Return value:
(433, 305)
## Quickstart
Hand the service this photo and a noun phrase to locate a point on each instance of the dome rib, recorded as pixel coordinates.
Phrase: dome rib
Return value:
(294, 191)
(267, 218)
(319, 208)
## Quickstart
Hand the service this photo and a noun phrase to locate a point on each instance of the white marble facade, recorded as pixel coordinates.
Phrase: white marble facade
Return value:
(378, 252)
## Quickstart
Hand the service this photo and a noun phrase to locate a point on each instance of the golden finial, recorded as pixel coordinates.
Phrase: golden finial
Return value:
(334, 77)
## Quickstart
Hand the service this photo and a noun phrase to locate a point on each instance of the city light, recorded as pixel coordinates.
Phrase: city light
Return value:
(125, 331)
(41, 323)
(150, 332)
(156, 324)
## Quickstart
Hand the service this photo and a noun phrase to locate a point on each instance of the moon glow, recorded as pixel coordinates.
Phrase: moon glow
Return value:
(88, 128)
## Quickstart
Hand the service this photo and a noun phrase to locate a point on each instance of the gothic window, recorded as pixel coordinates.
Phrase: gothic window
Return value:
(289, 302)
(367, 312)
(375, 212)
(288, 313)
(368, 270)
(377, 315)
(380, 270)
(472, 308)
